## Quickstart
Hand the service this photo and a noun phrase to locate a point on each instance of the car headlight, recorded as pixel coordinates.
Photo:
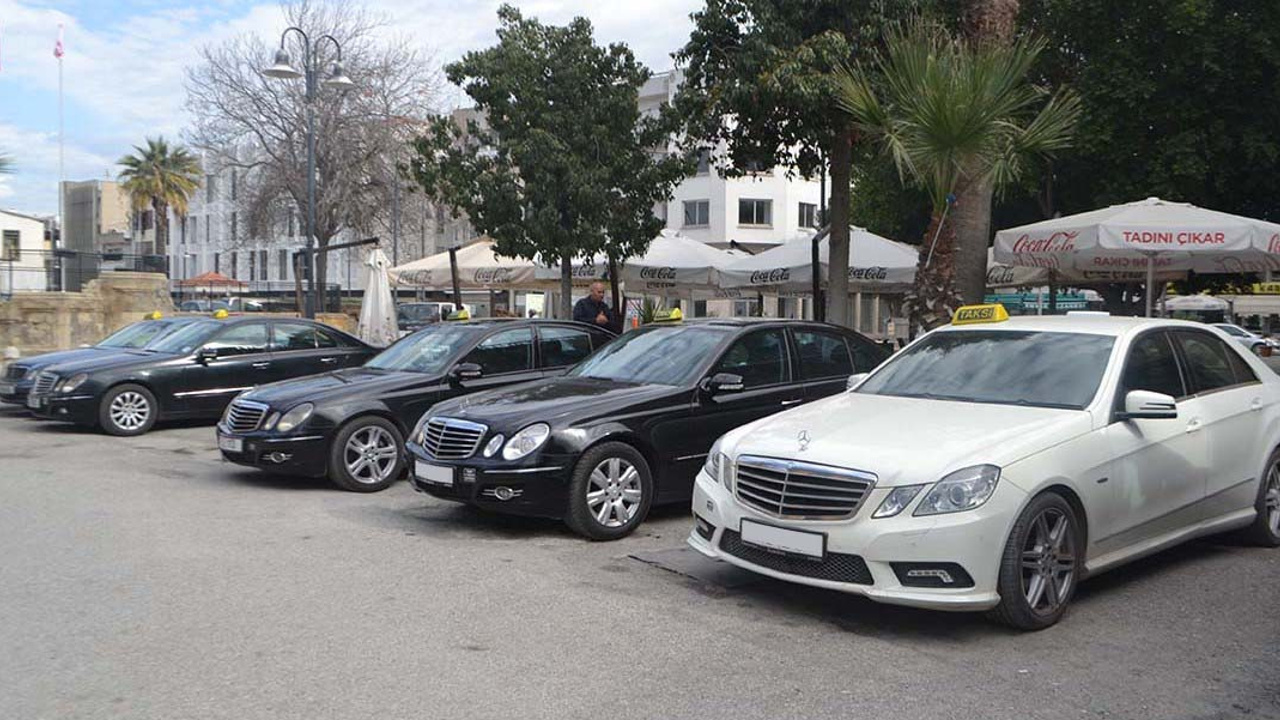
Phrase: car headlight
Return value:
(271, 421)
(718, 465)
(526, 441)
(494, 445)
(31, 374)
(73, 382)
(295, 417)
(963, 489)
(897, 500)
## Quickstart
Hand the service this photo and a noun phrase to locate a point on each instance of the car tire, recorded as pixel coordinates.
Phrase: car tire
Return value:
(1265, 530)
(1041, 564)
(610, 492)
(128, 410)
(367, 455)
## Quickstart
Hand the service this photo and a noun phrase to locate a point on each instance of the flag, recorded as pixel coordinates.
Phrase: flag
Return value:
(57, 48)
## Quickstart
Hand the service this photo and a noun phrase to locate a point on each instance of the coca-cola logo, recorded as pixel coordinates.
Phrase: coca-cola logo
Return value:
(1273, 245)
(1059, 242)
(585, 271)
(868, 273)
(770, 277)
(492, 276)
(414, 277)
(658, 273)
(1000, 275)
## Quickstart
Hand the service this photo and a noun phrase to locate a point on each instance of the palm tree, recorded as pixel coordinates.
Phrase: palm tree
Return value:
(952, 114)
(160, 177)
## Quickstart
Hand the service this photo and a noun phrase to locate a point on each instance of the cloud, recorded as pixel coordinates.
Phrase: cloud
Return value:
(32, 187)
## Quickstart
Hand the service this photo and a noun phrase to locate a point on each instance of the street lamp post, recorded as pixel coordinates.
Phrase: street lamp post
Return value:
(283, 69)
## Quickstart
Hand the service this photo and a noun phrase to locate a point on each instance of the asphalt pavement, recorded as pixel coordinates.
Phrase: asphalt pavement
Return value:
(145, 578)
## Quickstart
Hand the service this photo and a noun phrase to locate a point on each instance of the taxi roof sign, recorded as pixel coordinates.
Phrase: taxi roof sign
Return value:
(975, 314)
(673, 316)
(462, 314)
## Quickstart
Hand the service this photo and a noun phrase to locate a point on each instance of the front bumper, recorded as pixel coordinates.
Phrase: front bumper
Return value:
(15, 393)
(536, 486)
(79, 409)
(306, 454)
(862, 551)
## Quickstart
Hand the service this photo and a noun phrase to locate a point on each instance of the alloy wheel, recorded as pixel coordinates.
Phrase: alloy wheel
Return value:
(1271, 500)
(371, 454)
(1048, 561)
(129, 410)
(614, 493)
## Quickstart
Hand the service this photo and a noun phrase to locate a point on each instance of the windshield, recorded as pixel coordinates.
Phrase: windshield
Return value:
(1043, 369)
(427, 351)
(136, 335)
(1233, 330)
(186, 338)
(419, 313)
(661, 356)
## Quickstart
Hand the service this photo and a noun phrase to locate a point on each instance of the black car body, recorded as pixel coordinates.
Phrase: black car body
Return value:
(654, 400)
(20, 375)
(357, 420)
(192, 372)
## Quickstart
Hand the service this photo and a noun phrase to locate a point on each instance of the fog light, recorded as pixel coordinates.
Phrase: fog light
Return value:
(279, 457)
(503, 493)
(932, 575)
(942, 575)
(704, 529)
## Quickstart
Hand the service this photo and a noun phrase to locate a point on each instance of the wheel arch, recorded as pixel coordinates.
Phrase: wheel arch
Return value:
(646, 450)
(140, 382)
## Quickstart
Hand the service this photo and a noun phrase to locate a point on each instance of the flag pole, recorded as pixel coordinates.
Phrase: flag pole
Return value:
(62, 174)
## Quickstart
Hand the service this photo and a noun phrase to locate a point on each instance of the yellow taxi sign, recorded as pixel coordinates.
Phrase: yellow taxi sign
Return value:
(974, 314)
(154, 315)
(462, 314)
(674, 316)
(221, 314)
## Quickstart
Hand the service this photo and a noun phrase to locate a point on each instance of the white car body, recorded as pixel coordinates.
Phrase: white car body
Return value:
(1140, 485)
(1244, 337)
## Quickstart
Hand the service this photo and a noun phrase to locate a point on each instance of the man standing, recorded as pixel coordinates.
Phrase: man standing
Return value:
(592, 309)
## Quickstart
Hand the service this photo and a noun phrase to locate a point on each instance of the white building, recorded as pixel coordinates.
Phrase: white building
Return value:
(22, 253)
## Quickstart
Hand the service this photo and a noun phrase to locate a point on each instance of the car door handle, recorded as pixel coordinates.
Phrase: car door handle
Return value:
(1193, 425)
(1256, 404)
(261, 365)
(328, 361)
(796, 401)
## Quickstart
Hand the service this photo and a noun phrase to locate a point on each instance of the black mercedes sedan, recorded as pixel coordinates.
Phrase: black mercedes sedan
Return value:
(630, 426)
(192, 372)
(350, 425)
(20, 375)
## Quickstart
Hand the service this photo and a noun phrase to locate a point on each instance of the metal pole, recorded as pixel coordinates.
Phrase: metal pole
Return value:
(395, 222)
(819, 306)
(309, 255)
(1151, 280)
(62, 173)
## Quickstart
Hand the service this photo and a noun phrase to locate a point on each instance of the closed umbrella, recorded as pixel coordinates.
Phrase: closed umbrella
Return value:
(378, 325)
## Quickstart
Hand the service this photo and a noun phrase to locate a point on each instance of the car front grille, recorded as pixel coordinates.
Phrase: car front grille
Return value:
(450, 438)
(15, 372)
(794, 489)
(836, 567)
(44, 383)
(244, 416)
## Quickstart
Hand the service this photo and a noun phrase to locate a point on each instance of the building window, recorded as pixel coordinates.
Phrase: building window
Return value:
(262, 266)
(182, 231)
(207, 228)
(808, 215)
(293, 224)
(697, 213)
(253, 265)
(746, 308)
(208, 188)
(757, 167)
(234, 270)
(234, 184)
(283, 257)
(217, 262)
(755, 212)
(704, 162)
(12, 249)
(235, 227)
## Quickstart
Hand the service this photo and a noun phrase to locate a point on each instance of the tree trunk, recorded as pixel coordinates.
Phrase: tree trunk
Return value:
(453, 276)
(157, 208)
(838, 256)
(616, 292)
(320, 265)
(933, 298)
(566, 288)
(972, 221)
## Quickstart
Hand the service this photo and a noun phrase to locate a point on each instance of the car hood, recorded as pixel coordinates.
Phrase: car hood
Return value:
(111, 361)
(561, 402)
(337, 386)
(44, 360)
(906, 441)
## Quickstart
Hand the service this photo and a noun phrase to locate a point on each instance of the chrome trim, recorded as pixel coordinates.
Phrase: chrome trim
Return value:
(219, 391)
(522, 471)
(292, 439)
(861, 484)
(695, 456)
(238, 414)
(446, 438)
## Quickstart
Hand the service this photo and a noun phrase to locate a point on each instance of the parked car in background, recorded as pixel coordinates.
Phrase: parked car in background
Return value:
(351, 425)
(204, 306)
(20, 375)
(191, 373)
(414, 316)
(1253, 341)
(993, 465)
(630, 426)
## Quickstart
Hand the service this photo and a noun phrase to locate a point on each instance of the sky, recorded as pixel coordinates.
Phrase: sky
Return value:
(124, 65)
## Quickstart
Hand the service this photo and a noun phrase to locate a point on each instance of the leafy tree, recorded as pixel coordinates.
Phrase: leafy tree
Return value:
(950, 114)
(758, 78)
(160, 177)
(560, 163)
(881, 202)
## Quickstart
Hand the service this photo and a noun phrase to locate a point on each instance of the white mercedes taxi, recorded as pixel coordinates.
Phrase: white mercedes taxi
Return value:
(996, 462)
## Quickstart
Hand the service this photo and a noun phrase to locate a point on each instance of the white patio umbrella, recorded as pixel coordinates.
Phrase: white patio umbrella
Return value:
(875, 264)
(1196, 303)
(479, 268)
(1150, 235)
(378, 325)
(675, 265)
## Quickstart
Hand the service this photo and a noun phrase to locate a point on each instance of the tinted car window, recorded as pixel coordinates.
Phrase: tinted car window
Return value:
(136, 335)
(1207, 361)
(1243, 373)
(426, 351)
(599, 337)
(326, 339)
(822, 355)
(240, 340)
(1152, 366)
(563, 346)
(760, 357)
(507, 351)
(186, 338)
(660, 356)
(866, 354)
(1042, 369)
(294, 336)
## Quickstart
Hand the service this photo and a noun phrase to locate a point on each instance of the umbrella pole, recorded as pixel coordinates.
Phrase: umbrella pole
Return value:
(1151, 281)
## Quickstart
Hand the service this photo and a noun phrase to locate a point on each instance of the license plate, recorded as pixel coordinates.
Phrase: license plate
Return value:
(797, 542)
(7, 388)
(35, 402)
(437, 474)
(230, 444)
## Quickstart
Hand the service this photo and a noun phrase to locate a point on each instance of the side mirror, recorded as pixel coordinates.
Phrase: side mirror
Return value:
(466, 371)
(721, 383)
(1263, 350)
(1147, 405)
(855, 380)
(206, 355)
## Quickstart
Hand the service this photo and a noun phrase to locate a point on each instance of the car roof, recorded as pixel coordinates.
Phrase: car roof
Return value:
(1087, 323)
